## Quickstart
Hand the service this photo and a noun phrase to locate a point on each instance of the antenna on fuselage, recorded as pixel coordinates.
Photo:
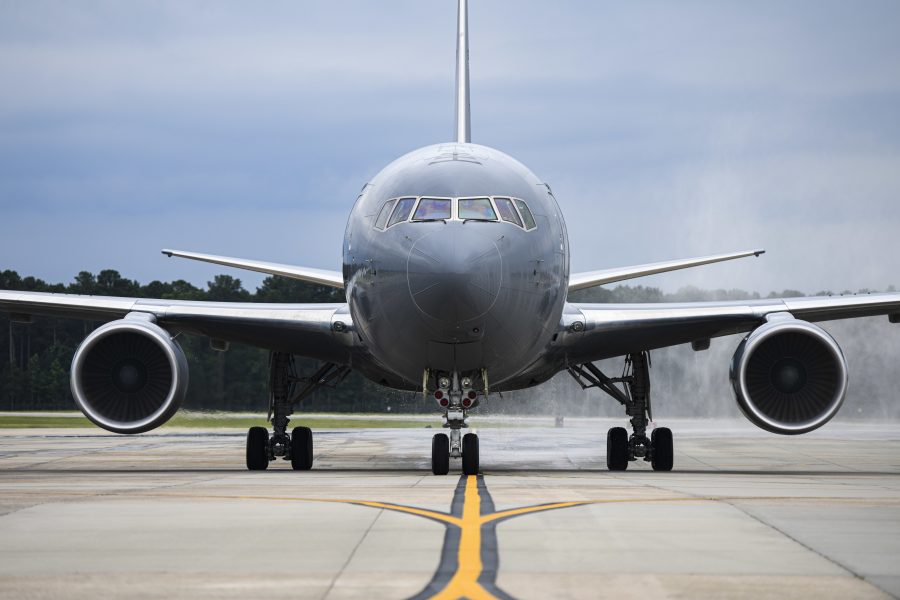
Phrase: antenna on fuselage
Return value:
(463, 127)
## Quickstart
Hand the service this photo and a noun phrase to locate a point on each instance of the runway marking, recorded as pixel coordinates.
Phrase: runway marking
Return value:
(469, 558)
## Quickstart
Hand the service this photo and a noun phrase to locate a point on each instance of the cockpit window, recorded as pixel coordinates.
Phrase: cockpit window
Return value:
(381, 221)
(507, 211)
(526, 214)
(431, 209)
(479, 209)
(401, 213)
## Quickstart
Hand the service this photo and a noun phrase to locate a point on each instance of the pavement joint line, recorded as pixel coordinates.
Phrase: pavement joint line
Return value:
(446, 517)
(350, 557)
(805, 546)
(733, 503)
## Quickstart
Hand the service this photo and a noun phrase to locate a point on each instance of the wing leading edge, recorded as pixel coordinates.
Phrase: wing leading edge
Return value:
(608, 330)
(309, 330)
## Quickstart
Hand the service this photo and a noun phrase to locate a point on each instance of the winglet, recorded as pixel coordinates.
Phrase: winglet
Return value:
(588, 279)
(320, 276)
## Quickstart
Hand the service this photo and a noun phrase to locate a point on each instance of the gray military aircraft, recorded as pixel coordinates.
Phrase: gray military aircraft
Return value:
(456, 273)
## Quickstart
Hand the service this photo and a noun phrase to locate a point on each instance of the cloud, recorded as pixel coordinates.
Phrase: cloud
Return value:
(665, 130)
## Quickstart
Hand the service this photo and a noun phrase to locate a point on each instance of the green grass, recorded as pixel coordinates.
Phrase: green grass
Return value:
(225, 421)
(317, 422)
(201, 421)
(48, 421)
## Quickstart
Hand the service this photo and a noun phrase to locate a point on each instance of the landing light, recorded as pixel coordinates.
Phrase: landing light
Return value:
(466, 382)
(444, 382)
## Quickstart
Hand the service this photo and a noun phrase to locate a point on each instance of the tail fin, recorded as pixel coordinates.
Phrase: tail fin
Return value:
(463, 126)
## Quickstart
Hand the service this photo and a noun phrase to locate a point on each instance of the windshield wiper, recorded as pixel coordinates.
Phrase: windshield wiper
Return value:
(444, 221)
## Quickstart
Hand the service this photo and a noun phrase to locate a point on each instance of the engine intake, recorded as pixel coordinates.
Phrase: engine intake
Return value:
(789, 376)
(129, 376)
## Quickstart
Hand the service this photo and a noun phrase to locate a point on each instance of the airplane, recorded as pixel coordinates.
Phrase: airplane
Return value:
(456, 278)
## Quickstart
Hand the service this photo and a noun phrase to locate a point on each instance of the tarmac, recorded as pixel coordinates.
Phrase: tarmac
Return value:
(173, 513)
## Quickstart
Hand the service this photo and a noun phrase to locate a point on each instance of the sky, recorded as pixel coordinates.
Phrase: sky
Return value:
(666, 129)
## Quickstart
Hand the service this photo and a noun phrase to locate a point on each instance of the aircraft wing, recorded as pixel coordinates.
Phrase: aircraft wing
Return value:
(608, 330)
(578, 281)
(304, 329)
(321, 276)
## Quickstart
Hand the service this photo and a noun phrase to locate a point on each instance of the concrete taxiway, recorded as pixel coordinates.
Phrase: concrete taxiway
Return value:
(745, 514)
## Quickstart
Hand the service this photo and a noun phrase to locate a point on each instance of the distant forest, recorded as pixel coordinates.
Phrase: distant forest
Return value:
(34, 363)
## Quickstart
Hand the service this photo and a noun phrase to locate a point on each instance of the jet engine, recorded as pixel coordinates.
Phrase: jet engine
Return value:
(789, 376)
(129, 376)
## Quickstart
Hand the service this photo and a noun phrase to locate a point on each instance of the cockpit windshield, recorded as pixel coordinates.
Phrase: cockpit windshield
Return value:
(479, 209)
(432, 209)
(526, 214)
(381, 221)
(507, 211)
(401, 213)
(513, 211)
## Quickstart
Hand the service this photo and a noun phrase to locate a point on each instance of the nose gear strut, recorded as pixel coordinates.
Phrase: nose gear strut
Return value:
(456, 445)
(635, 379)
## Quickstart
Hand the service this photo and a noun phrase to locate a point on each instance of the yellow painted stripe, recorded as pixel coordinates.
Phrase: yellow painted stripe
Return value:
(514, 512)
(464, 583)
(439, 516)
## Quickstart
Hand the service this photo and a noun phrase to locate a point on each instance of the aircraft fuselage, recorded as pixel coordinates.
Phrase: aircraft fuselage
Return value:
(456, 294)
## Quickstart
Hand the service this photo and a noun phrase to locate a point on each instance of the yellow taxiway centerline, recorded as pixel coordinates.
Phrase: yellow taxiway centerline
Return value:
(464, 583)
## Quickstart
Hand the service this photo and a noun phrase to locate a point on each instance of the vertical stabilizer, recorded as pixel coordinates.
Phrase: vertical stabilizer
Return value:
(463, 127)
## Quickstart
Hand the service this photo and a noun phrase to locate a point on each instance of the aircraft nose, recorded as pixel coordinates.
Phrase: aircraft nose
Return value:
(454, 273)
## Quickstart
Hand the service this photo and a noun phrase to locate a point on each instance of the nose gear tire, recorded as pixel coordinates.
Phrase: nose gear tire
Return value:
(440, 454)
(470, 454)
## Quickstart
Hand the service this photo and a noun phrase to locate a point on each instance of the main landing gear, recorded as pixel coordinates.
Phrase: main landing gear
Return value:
(455, 396)
(286, 389)
(620, 448)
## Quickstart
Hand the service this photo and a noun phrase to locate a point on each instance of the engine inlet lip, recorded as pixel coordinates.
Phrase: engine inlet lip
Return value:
(177, 364)
(762, 334)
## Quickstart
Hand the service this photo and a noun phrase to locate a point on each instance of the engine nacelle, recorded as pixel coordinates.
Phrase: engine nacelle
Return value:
(789, 376)
(129, 376)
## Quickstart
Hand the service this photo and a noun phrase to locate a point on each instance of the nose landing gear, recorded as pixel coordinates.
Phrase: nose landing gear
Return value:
(456, 399)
